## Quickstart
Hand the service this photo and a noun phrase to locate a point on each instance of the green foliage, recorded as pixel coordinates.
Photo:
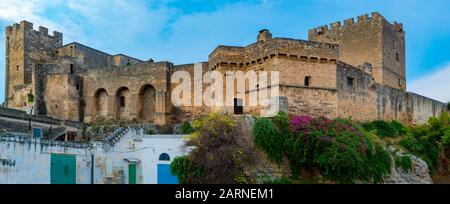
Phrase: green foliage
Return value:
(149, 131)
(185, 170)
(282, 181)
(186, 128)
(30, 98)
(338, 149)
(380, 163)
(384, 129)
(427, 141)
(269, 138)
(398, 127)
(448, 106)
(281, 121)
(446, 139)
(221, 153)
(404, 162)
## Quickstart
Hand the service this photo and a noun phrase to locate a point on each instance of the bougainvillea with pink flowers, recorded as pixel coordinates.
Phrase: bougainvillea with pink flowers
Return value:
(338, 150)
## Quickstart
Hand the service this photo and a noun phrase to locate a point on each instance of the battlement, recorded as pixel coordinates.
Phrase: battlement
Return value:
(26, 26)
(362, 19)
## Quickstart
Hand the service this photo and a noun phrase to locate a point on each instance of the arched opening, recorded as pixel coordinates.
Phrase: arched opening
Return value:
(101, 103)
(147, 103)
(164, 157)
(122, 107)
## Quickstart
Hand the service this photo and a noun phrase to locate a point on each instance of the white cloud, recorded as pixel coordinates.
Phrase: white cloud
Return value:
(13, 11)
(435, 85)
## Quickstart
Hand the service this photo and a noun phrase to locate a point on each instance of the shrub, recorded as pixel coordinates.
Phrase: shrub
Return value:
(185, 170)
(30, 98)
(341, 152)
(398, 127)
(383, 129)
(269, 139)
(337, 149)
(186, 128)
(404, 163)
(446, 139)
(448, 106)
(380, 163)
(220, 155)
(429, 140)
(419, 144)
(300, 123)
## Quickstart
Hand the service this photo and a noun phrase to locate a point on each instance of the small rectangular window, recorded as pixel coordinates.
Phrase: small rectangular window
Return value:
(307, 81)
(122, 101)
(397, 57)
(71, 68)
(350, 81)
(37, 132)
(238, 106)
(77, 87)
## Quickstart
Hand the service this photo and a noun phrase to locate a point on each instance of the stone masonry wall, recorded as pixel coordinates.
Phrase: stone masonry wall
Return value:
(27, 47)
(356, 95)
(350, 69)
(371, 39)
(187, 113)
(422, 108)
(132, 78)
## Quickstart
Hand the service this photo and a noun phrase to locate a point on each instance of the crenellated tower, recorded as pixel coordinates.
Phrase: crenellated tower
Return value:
(370, 39)
(26, 47)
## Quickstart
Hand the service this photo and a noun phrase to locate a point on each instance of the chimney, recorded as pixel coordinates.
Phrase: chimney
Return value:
(264, 35)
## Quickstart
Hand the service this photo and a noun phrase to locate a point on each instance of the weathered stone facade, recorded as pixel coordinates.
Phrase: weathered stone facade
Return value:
(352, 70)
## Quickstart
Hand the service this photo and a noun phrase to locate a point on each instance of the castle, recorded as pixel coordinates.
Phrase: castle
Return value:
(351, 69)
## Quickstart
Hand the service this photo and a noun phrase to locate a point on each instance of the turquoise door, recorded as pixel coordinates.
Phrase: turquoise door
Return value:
(165, 176)
(63, 169)
(131, 173)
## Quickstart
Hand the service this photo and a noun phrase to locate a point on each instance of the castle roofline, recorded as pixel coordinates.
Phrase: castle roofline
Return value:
(277, 39)
(128, 57)
(227, 47)
(96, 50)
(359, 20)
(77, 43)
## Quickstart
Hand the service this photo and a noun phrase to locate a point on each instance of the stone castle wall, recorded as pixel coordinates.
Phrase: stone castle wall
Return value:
(129, 83)
(26, 48)
(422, 108)
(352, 69)
(370, 39)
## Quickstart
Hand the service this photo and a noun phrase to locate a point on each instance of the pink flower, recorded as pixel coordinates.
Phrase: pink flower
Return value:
(300, 122)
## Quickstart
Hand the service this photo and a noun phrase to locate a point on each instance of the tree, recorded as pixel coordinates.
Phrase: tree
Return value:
(223, 150)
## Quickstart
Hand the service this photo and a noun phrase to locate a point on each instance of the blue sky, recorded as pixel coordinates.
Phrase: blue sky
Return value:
(186, 31)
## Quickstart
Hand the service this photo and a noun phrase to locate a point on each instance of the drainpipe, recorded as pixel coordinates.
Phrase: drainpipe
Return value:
(29, 123)
(92, 169)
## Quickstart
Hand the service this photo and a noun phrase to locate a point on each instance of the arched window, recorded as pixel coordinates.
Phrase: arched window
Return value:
(164, 157)
(147, 103)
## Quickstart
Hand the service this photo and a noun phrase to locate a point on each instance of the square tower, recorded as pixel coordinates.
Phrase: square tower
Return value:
(25, 48)
(370, 39)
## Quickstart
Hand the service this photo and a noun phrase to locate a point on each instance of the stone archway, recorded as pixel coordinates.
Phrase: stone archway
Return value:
(147, 103)
(122, 104)
(101, 103)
